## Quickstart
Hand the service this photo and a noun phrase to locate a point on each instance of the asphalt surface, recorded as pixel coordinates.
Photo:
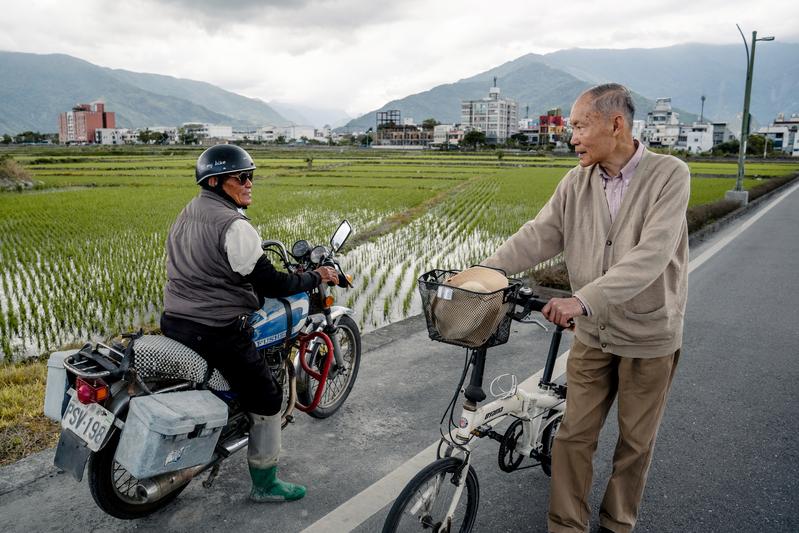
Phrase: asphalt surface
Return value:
(726, 457)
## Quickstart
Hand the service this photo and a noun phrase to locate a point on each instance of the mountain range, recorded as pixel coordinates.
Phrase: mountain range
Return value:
(682, 72)
(35, 88)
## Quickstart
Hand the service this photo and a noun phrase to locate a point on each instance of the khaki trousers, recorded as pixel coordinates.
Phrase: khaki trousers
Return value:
(594, 379)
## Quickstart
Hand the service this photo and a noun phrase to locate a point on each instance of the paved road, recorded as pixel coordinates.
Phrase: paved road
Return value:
(726, 458)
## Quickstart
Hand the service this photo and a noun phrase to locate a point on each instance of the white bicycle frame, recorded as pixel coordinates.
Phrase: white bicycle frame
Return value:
(529, 407)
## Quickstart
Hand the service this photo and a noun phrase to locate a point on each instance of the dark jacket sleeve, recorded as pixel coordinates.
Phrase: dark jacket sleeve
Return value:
(269, 282)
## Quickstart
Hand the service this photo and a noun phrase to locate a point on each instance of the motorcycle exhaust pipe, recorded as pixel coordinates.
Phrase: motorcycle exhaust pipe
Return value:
(155, 488)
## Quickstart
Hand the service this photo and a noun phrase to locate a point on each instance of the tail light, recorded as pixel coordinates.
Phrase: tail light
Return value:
(91, 390)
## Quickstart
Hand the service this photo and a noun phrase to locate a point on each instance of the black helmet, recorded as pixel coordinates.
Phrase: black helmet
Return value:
(222, 159)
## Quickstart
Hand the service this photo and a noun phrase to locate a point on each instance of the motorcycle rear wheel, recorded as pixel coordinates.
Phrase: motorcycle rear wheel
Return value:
(114, 488)
(340, 381)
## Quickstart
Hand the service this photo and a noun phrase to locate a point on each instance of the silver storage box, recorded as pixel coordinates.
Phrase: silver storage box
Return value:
(55, 395)
(171, 431)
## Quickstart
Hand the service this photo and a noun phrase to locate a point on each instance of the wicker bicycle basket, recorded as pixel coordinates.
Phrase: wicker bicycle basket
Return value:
(463, 317)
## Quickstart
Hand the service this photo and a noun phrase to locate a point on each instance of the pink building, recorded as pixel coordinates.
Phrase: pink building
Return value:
(78, 125)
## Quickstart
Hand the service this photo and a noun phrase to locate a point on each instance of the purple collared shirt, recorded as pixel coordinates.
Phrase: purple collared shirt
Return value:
(615, 187)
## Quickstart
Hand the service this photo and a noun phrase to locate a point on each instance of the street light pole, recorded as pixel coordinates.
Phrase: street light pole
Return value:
(739, 193)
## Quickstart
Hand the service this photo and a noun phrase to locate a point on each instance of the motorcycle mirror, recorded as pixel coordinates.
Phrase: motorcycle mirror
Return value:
(341, 235)
(300, 248)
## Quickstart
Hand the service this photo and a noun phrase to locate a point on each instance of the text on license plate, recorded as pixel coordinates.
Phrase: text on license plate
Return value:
(90, 423)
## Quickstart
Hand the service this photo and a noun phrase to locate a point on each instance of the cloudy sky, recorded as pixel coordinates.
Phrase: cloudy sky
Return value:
(356, 55)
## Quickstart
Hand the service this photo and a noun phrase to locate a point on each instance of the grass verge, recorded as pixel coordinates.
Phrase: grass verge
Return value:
(699, 216)
(23, 427)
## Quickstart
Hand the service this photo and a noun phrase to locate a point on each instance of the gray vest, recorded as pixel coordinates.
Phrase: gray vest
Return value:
(201, 286)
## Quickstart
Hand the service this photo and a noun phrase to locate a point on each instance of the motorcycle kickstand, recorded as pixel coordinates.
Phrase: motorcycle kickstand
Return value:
(211, 477)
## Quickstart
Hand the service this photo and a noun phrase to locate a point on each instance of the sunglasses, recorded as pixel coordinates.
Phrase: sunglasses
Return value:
(242, 176)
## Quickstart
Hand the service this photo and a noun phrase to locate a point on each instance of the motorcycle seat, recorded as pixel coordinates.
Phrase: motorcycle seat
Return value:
(159, 357)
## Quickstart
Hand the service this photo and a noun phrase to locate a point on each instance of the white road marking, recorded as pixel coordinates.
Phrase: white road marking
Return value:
(717, 246)
(372, 499)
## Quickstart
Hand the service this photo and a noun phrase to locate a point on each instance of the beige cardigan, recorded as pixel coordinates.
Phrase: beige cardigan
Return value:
(633, 273)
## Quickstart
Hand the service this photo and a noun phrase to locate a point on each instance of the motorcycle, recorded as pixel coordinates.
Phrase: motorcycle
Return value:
(148, 414)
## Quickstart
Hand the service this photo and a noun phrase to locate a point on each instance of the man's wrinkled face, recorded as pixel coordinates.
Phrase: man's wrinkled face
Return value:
(241, 192)
(592, 133)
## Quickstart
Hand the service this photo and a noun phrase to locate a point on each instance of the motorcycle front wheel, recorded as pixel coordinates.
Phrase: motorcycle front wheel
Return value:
(425, 501)
(340, 379)
(114, 488)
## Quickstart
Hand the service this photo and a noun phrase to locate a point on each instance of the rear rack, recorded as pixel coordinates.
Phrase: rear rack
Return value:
(98, 363)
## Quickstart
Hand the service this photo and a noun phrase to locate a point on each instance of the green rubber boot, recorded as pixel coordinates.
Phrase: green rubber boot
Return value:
(266, 487)
(262, 455)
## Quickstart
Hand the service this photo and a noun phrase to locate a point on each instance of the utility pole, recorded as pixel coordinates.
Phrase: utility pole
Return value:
(739, 194)
(702, 112)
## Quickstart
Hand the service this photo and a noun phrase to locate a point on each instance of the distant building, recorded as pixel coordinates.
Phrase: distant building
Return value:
(551, 127)
(297, 132)
(494, 116)
(112, 136)
(784, 134)
(392, 131)
(638, 128)
(662, 126)
(79, 125)
(447, 135)
(721, 133)
(207, 134)
(530, 129)
(695, 138)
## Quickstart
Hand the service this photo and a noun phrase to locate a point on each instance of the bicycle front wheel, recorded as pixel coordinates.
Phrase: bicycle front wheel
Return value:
(425, 501)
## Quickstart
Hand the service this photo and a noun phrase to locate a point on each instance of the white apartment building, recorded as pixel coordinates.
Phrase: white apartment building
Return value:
(111, 136)
(170, 132)
(494, 116)
(721, 133)
(784, 134)
(662, 127)
(207, 132)
(695, 138)
(638, 128)
(296, 132)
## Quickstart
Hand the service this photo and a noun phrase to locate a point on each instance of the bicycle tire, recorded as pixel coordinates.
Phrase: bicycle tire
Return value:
(548, 440)
(435, 477)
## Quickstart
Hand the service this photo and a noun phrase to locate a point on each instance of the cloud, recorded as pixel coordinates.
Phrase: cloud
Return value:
(358, 54)
(338, 16)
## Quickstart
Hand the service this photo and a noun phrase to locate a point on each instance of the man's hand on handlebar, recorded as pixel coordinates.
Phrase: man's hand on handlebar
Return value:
(329, 274)
(561, 311)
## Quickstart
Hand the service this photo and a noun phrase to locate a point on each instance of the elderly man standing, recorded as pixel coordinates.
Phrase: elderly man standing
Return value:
(619, 219)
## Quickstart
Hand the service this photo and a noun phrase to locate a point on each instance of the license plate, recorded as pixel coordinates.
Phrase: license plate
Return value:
(91, 423)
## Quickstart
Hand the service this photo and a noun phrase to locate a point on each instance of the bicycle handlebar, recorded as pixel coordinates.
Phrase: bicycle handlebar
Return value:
(529, 302)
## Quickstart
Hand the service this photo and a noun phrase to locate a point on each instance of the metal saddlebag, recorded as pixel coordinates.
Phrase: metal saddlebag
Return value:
(171, 431)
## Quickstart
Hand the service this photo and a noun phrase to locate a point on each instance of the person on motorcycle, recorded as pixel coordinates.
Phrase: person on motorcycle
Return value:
(217, 275)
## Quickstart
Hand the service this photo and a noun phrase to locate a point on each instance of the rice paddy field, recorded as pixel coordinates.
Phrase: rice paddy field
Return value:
(82, 255)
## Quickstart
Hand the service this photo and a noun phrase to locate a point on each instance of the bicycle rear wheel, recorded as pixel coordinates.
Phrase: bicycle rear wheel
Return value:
(425, 501)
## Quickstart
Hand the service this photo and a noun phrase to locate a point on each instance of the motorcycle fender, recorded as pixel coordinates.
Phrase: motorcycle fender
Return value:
(337, 311)
(71, 454)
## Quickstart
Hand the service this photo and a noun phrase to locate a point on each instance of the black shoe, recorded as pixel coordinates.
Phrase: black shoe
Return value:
(603, 529)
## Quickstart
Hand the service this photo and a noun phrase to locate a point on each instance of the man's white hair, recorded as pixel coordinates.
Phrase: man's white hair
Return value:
(610, 98)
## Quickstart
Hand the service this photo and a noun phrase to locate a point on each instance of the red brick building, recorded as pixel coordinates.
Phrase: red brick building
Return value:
(78, 125)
